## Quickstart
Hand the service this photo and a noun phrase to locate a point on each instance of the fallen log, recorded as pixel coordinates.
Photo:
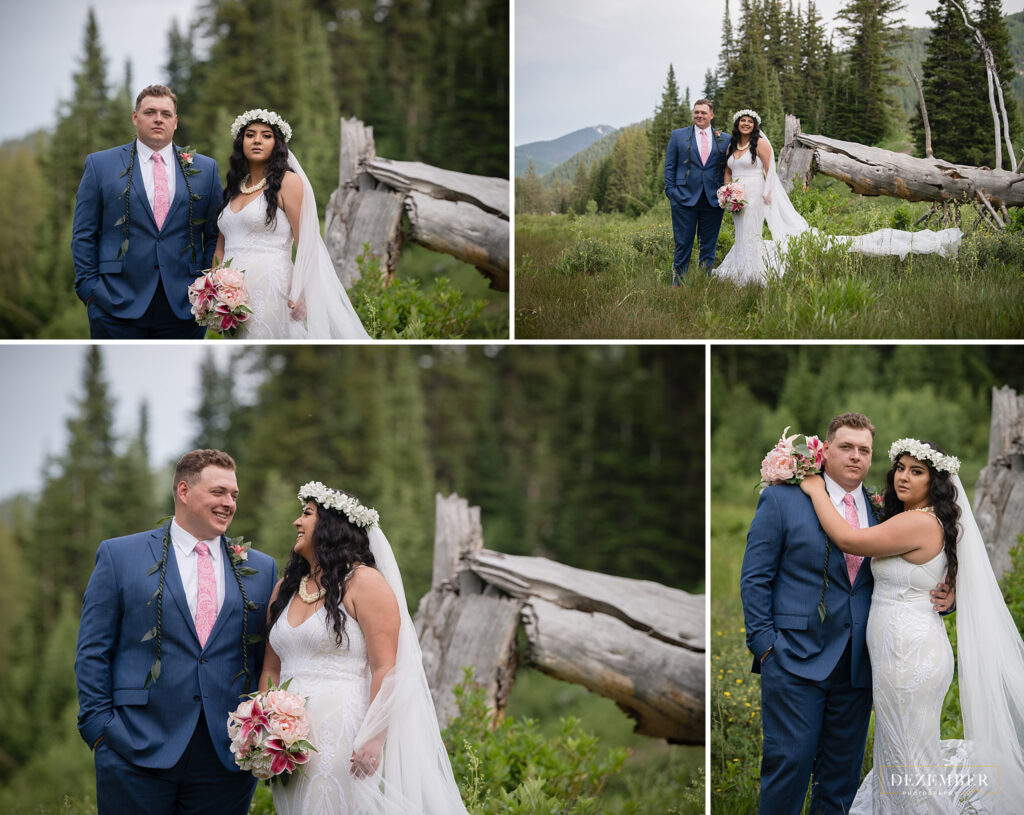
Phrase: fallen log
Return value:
(874, 171)
(636, 642)
(463, 215)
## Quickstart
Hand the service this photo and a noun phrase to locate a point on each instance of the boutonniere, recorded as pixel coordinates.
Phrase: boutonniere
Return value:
(238, 551)
(876, 503)
(186, 155)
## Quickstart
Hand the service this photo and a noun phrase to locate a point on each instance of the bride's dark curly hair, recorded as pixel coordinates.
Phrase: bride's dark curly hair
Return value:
(238, 169)
(941, 496)
(338, 546)
(755, 134)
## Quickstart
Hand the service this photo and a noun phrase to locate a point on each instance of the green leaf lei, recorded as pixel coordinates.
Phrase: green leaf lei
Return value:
(187, 170)
(239, 571)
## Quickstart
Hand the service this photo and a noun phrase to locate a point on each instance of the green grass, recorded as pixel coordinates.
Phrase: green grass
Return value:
(607, 277)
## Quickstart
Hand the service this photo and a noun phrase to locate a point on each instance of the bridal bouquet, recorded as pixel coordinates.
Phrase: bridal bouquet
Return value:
(219, 299)
(730, 197)
(790, 463)
(269, 734)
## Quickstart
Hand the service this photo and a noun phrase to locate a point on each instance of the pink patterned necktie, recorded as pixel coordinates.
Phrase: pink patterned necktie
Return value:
(852, 561)
(161, 196)
(206, 599)
(704, 148)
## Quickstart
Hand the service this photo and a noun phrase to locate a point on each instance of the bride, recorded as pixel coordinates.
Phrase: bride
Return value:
(301, 301)
(340, 630)
(750, 159)
(930, 535)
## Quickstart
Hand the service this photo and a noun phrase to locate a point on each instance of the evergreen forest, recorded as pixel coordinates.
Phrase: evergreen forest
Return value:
(430, 77)
(941, 393)
(589, 455)
(851, 84)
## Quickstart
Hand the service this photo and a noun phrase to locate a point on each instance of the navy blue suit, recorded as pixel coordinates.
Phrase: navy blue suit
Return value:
(144, 293)
(692, 189)
(816, 682)
(151, 735)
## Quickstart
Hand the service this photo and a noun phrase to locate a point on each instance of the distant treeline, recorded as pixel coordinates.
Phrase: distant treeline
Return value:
(778, 59)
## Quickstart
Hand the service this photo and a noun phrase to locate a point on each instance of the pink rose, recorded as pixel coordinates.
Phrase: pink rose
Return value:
(777, 466)
(285, 704)
(289, 729)
(228, 277)
(232, 298)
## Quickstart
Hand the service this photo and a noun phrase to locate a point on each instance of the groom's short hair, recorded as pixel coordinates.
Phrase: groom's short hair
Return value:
(191, 465)
(156, 90)
(705, 102)
(858, 421)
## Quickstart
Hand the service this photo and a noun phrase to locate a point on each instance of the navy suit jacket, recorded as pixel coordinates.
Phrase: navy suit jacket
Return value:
(781, 582)
(686, 179)
(151, 726)
(124, 287)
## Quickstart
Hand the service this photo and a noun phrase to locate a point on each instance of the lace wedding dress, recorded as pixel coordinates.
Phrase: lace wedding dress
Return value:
(337, 682)
(914, 772)
(750, 256)
(753, 260)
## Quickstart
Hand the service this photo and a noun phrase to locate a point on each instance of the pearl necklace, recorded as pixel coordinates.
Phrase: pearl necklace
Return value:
(250, 190)
(305, 596)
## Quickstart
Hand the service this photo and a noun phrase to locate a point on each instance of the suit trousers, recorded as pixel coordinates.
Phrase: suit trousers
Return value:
(158, 323)
(199, 784)
(811, 728)
(702, 220)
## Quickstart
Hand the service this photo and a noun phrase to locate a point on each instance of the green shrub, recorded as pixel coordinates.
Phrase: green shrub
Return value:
(514, 769)
(403, 311)
(586, 255)
(900, 218)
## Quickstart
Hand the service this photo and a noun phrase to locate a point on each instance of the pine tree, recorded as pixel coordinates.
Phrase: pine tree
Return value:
(957, 101)
(626, 179)
(872, 33)
(530, 194)
(580, 190)
(659, 130)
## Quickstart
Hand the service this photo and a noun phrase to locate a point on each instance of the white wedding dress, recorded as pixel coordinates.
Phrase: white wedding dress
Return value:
(265, 254)
(911, 669)
(337, 682)
(272, 280)
(753, 260)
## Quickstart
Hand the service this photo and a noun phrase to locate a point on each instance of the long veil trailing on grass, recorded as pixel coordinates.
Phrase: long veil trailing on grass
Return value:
(762, 260)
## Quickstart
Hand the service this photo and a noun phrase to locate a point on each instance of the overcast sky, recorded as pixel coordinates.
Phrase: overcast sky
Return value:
(42, 385)
(41, 46)
(580, 63)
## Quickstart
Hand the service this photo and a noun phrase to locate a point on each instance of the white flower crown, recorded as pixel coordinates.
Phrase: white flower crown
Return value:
(922, 452)
(261, 115)
(753, 114)
(340, 502)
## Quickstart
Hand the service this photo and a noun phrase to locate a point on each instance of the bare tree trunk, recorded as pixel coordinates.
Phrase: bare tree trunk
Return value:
(924, 114)
(999, 494)
(637, 642)
(874, 171)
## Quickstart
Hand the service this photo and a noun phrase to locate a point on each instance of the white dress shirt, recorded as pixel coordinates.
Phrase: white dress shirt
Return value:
(145, 159)
(837, 494)
(188, 565)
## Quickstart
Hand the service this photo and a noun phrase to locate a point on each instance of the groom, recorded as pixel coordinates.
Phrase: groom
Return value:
(815, 674)
(694, 166)
(160, 738)
(134, 260)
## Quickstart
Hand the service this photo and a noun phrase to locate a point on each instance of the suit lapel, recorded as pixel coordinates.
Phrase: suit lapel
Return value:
(180, 187)
(139, 188)
(173, 584)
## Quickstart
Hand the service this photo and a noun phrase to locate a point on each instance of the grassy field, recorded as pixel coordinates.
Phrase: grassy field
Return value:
(607, 277)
